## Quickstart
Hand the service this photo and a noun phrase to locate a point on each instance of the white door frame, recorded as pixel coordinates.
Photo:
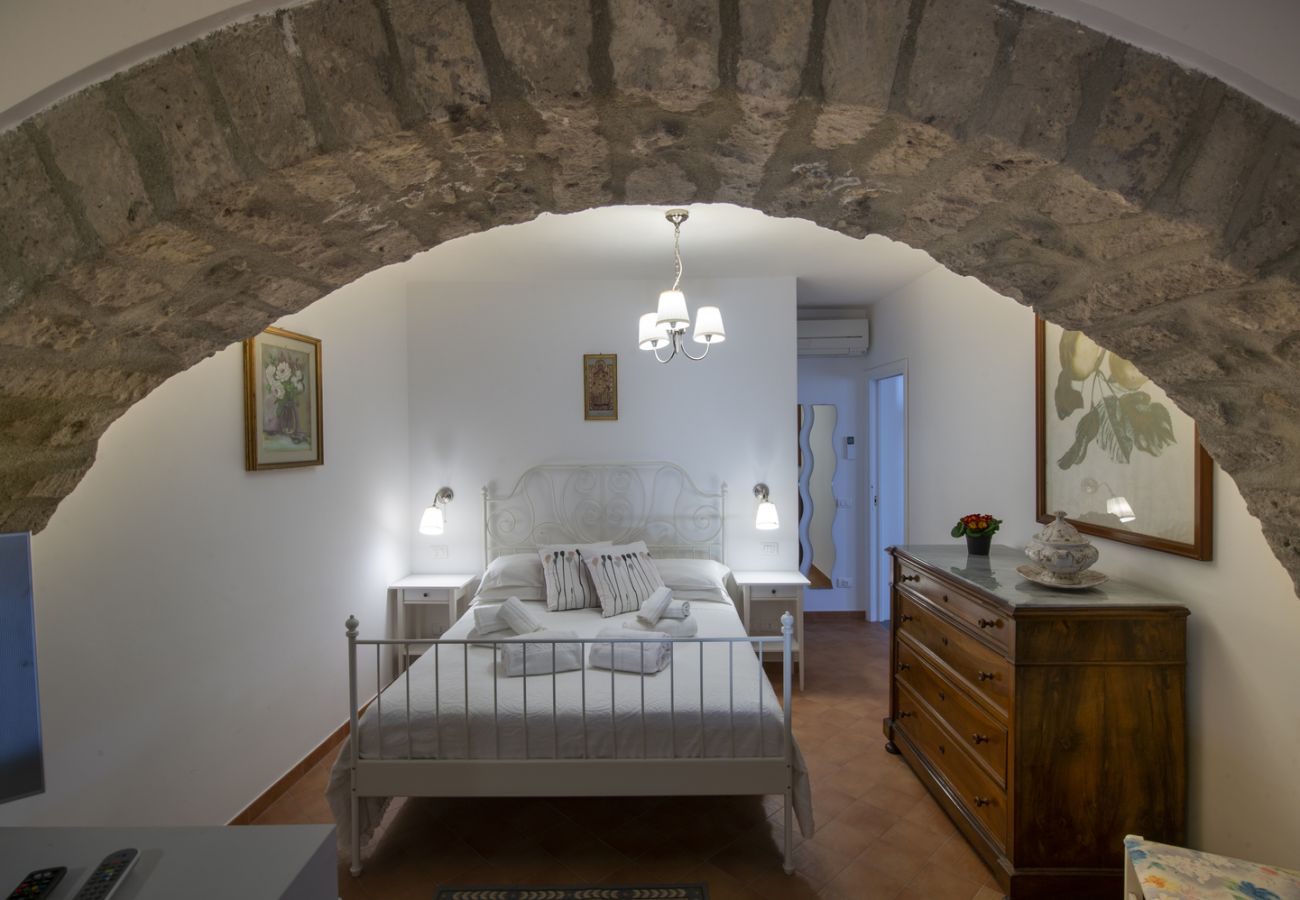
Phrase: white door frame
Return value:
(877, 606)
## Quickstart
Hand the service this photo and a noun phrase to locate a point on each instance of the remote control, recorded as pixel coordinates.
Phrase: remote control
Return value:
(108, 875)
(38, 884)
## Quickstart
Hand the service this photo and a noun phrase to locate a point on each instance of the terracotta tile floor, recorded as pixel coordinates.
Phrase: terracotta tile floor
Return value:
(879, 835)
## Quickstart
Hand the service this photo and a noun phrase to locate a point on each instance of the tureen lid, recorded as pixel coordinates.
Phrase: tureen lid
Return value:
(1058, 531)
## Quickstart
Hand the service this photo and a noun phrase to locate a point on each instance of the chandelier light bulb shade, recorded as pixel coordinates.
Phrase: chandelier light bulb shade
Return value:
(708, 326)
(668, 324)
(672, 310)
(432, 522)
(652, 335)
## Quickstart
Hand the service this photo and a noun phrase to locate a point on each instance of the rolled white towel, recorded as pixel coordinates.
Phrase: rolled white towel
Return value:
(642, 658)
(678, 609)
(487, 619)
(654, 606)
(674, 628)
(541, 653)
(517, 617)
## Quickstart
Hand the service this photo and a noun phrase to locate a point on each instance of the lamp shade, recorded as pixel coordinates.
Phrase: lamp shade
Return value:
(672, 310)
(708, 325)
(651, 334)
(432, 521)
(1119, 507)
(766, 519)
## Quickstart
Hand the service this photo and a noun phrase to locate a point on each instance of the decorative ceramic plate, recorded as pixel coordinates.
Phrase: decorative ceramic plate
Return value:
(1039, 575)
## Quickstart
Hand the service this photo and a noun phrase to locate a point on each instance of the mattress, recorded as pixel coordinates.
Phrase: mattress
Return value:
(455, 702)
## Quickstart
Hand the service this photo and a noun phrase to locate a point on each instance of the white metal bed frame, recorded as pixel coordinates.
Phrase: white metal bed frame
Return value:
(553, 504)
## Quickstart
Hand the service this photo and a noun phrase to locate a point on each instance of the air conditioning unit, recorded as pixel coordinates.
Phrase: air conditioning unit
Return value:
(833, 337)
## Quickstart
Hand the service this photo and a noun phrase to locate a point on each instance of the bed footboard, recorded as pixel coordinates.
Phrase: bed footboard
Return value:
(456, 731)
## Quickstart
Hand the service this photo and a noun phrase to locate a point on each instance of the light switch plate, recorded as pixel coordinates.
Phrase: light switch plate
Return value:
(440, 551)
(770, 548)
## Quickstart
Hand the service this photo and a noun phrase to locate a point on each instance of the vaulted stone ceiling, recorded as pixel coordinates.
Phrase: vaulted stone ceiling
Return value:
(183, 205)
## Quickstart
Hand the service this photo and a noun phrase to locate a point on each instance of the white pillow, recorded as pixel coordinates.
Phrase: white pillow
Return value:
(686, 577)
(624, 576)
(515, 575)
(568, 584)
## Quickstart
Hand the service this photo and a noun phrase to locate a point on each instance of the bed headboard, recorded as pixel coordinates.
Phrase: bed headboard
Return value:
(655, 502)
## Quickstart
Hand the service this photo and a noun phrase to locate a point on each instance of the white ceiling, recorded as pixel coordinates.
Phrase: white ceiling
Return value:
(718, 241)
(50, 48)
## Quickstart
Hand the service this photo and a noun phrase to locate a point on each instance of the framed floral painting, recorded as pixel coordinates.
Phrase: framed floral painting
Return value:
(1114, 451)
(282, 401)
(600, 387)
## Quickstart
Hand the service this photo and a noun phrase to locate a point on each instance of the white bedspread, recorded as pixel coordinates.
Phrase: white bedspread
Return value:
(661, 716)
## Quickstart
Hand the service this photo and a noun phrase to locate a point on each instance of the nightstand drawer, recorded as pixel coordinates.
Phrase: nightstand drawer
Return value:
(426, 595)
(774, 592)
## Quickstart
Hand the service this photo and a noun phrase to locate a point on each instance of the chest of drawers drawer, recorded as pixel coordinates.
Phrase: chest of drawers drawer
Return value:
(984, 672)
(980, 732)
(986, 799)
(987, 621)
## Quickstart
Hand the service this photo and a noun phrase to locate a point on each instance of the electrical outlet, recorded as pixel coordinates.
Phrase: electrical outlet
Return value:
(844, 582)
(844, 502)
(440, 551)
(770, 548)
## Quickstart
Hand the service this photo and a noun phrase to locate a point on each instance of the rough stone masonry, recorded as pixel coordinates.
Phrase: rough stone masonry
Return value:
(157, 217)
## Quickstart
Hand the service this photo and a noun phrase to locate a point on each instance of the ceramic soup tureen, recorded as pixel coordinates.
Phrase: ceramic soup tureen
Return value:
(1061, 552)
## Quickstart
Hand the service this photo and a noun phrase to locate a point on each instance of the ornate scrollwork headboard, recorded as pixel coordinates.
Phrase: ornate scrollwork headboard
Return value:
(655, 502)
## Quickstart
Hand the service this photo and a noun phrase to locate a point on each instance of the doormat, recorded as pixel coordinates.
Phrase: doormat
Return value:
(619, 892)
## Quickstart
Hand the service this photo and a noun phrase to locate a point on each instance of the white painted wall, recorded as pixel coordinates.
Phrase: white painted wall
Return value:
(840, 382)
(190, 614)
(496, 387)
(971, 437)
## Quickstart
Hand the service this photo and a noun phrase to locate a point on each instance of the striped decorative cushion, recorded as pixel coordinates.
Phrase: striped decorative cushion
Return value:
(624, 577)
(568, 585)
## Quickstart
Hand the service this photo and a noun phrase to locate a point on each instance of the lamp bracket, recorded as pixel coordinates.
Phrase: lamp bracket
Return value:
(443, 497)
(677, 217)
(761, 492)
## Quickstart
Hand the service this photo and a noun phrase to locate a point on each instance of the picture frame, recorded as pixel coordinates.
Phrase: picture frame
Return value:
(1115, 452)
(282, 401)
(600, 387)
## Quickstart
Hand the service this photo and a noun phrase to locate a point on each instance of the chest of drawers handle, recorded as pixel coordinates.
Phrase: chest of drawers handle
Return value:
(979, 738)
(909, 577)
(990, 623)
(982, 801)
(906, 618)
(986, 676)
(903, 714)
(903, 667)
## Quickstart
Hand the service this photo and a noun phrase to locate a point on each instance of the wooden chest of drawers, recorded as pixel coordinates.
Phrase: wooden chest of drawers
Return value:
(1048, 724)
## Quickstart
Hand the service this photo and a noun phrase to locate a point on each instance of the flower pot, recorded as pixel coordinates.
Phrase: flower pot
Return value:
(978, 544)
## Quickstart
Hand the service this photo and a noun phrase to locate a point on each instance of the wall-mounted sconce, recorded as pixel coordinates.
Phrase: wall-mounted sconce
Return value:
(1115, 506)
(433, 522)
(765, 519)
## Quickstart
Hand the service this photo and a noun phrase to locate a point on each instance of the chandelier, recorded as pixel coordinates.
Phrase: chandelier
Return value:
(667, 327)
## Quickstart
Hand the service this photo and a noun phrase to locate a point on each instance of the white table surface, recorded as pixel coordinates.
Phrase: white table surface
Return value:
(436, 580)
(774, 576)
(254, 862)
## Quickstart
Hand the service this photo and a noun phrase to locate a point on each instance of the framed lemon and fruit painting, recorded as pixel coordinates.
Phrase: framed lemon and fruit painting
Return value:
(1114, 451)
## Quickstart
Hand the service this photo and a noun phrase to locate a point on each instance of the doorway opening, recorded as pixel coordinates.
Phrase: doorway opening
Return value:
(886, 478)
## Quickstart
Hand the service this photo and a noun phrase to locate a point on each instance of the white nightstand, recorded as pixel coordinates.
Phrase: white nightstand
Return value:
(447, 591)
(767, 596)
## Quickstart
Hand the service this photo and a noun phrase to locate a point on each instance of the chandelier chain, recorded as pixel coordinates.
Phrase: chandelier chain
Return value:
(677, 252)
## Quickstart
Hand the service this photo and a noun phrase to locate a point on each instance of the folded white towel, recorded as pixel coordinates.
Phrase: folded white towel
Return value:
(674, 628)
(482, 639)
(654, 606)
(678, 609)
(487, 619)
(631, 656)
(518, 618)
(540, 653)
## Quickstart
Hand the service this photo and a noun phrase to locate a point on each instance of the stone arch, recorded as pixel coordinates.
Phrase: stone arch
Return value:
(180, 206)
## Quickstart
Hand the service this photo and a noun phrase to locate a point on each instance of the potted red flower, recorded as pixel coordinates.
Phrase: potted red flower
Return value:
(979, 529)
